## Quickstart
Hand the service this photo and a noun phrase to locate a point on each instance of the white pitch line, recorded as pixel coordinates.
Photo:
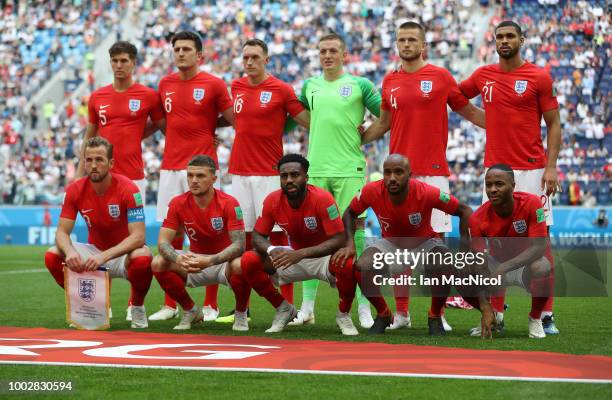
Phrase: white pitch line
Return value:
(23, 271)
(323, 372)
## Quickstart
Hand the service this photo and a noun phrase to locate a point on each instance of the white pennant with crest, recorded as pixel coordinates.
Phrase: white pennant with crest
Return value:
(87, 299)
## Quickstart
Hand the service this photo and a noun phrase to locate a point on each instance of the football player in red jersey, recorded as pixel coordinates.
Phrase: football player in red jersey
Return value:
(414, 106)
(192, 101)
(516, 94)
(515, 224)
(310, 217)
(111, 206)
(213, 222)
(120, 113)
(262, 103)
(403, 207)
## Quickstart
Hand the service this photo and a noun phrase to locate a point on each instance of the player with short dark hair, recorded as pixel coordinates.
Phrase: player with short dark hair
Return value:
(311, 219)
(516, 94)
(192, 101)
(414, 104)
(111, 206)
(403, 206)
(213, 223)
(119, 112)
(504, 219)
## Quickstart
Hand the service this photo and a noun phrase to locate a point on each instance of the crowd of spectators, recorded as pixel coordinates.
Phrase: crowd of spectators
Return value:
(35, 169)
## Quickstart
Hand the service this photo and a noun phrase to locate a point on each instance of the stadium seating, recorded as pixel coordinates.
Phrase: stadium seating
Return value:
(35, 168)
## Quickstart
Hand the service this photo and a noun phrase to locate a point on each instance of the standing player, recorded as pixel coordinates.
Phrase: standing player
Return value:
(414, 107)
(261, 105)
(403, 207)
(516, 95)
(523, 262)
(192, 100)
(111, 206)
(213, 223)
(337, 103)
(119, 113)
(311, 219)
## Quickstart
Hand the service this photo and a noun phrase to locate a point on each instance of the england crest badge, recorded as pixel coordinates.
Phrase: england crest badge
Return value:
(426, 87)
(414, 219)
(311, 223)
(198, 94)
(265, 97)
(520, 226)
(134, 105)
(520, 86)
(345, 91)
(87, 289)
(114, 211)
(217, 223)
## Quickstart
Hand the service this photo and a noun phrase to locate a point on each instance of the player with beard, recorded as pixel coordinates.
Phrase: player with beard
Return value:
(111, 206)
(213, 223)
(192, 101)
(403, 206)
(414, 106)
(310, 217)
(516, 94)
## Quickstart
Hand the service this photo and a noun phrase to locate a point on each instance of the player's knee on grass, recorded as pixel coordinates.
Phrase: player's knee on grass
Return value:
(540, 268)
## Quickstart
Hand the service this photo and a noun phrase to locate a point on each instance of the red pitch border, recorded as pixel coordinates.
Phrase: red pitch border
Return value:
(129, 349)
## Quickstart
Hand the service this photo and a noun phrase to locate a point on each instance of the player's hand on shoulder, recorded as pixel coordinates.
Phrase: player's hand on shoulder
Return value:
(343, 254)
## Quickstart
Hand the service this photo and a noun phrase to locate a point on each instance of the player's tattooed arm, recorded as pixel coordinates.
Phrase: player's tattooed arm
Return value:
(232, 251)
(168, 252)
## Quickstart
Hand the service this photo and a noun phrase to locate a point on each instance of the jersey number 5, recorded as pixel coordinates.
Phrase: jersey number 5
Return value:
(102, 116)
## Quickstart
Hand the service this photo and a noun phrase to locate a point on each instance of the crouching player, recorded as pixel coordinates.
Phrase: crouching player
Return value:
(311, 219)
(213, 222)
(111, 206)
(403, 206)
(507, 217)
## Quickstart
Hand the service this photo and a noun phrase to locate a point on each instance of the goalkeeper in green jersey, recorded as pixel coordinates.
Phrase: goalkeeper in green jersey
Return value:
(337, 102)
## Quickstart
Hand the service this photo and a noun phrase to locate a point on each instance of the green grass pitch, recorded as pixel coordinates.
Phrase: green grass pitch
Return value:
(33, 299)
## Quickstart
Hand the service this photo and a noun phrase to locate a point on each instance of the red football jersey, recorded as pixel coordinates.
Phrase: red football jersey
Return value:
(107, 216)
(419, 118)
(526, 221)
(513, 102)
(260, 114)
(121, 119)
(314, 222)
(192, 108)
(410, 219)
(208, 228)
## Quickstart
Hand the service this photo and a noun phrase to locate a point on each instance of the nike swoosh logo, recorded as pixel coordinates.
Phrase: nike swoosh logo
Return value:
(489, 83)
(104, 106)
(169, 93)
(86, 211)
(188, 223)
(315, 91)
(394, 89)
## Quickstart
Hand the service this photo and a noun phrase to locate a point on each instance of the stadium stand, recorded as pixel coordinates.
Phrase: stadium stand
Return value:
(571, 39)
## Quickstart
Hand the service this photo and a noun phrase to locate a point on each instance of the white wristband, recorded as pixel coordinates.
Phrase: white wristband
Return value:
(270, 248)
